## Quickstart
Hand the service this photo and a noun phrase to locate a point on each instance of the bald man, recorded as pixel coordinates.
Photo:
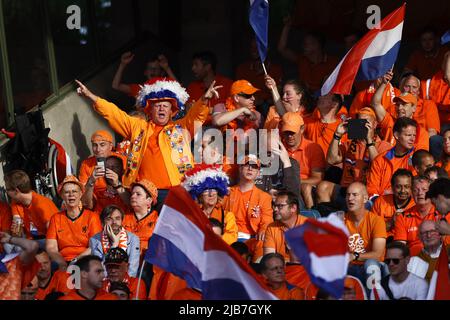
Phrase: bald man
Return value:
(367, 240)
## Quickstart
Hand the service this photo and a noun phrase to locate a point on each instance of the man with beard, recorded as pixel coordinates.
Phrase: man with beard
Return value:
(389, 206)
(115, 236)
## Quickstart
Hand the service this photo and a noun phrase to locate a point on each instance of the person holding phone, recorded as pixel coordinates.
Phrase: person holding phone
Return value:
(354, 155)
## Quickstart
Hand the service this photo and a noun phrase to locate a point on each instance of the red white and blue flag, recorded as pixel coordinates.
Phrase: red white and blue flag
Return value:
(259, 20)
(371, 57)
(184, 244)
(322, 247)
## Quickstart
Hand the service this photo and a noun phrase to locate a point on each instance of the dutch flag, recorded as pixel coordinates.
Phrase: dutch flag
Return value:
(371, 57)
(184, 244)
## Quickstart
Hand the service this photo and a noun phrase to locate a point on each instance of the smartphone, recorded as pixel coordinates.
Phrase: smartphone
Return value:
(101, 162)
(357, 129)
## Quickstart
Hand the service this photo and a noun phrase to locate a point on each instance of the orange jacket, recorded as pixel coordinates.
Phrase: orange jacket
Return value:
(138, 131)
(437, 89)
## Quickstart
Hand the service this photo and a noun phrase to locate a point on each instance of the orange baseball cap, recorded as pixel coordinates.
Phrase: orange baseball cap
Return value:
(406, 97)
(101, 135)
(70, 179)
(368, 111)
(242, 86)
(291, 121)
(149, 187)
(251, 158)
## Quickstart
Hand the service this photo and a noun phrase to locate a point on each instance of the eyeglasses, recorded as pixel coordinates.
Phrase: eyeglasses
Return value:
(279, 205)
(245, 96)
(394, 260)
(429, 232)
(251, 165)
(210, 192)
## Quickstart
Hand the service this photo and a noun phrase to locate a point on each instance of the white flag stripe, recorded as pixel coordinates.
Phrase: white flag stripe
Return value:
(383, 42)
(329, 268)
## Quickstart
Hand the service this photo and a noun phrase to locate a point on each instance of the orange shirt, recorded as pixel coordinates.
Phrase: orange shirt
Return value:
(382, 169)
(186, 294)
(73, 235)
(361, 237)
(227, 219)
(363, 99)
(197, 89)
(439, 92)
(17, 277)
(153, 168)
(132, 284)
(284, 293)
(101, 295)
(106, 198)
(253, 209)
(315, 74)
(321, 133)
(164, 285)
(385, 207)
(38, 213)
(309, 156)
(356, 159)
(424, 65)
(273, 118)
(142, 228)
(407, 227)
(274, 237)
(57, 283)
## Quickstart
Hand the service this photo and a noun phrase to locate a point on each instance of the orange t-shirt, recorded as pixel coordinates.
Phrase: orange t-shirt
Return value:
(38, 213)
(164, 285)
(274, 237)
(132, 284)
(101, 295)
(407, 227)
(153, 167)
(382, 169)
(356, 160)
(439, 92)
(106, 198)
(315, 74)
(142, 228)
(361, 238)
(363, 99)
(284, 293)
(73, 235)
(57, 283)
(186, 294)
(321, 133)
(17, 277)
(385, 207)
(310, 157)
(425, 66)
(197, 89)
(253, 209)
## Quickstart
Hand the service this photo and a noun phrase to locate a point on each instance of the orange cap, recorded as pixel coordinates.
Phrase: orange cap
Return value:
(251, 158)
(242, 86)
(101, 135)
(70, 179)
(406, 97)
(291, 121)
(149, 187)
(368, 111)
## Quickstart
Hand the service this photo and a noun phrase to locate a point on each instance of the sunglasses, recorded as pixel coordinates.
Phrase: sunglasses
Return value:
(246, 96)
(394, 260)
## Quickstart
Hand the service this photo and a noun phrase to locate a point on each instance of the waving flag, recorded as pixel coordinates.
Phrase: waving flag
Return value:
(445, 38)
(371, 57)
(440, 283)
(259, 20)
(322, 246)
(183, 243)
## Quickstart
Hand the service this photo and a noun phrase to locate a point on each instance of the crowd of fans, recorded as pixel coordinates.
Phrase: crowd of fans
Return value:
(391, 186)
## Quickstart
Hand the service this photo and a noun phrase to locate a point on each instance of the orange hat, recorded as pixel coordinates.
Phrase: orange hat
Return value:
(349, 283)
(70, 179)
(251, 158)
(149, 187)
(291, 121)
(368, 111)
(242, 86)
(406, 97)
(101, 135)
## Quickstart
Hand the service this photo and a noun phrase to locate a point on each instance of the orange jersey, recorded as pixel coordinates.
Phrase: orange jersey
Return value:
(101, 295)
(407, 227)
(356, 160)
(228, 221)
(361, 237)
(38, 213)
(285, 293)
(17, 277)
(363, 98)
(315, 74)
(73, 235)
(57, 283)
(425, 65)
(252, 209)
(382, 169)
(142, 228)
(132, 284)
(321, 133)
(197, 89)
(387, 133)
(106, 198)
(274, 237)
(164, 285)
(439, 92)
(310, 157)
(385, 207)
(186, 294)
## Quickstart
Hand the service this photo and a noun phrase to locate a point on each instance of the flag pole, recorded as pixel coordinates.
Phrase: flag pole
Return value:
(264, 67)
